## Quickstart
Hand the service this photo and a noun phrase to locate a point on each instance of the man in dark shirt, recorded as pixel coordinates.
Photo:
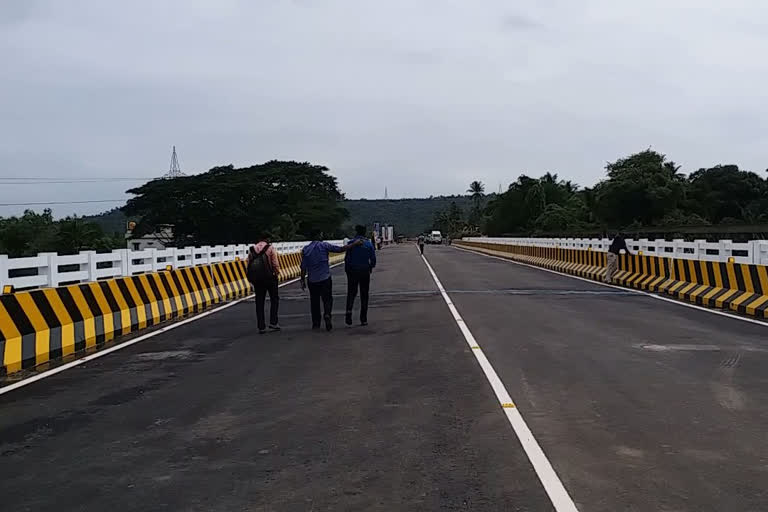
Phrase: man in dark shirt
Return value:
(315, 268)
(614, 250)
(359, 263)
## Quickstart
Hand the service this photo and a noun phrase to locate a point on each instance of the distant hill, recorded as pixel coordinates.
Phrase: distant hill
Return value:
(409, 216)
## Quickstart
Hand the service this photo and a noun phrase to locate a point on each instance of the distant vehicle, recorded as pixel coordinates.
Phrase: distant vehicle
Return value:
(435, 237)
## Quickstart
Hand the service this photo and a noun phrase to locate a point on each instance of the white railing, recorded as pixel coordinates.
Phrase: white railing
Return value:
(755, 251)
(45, 269)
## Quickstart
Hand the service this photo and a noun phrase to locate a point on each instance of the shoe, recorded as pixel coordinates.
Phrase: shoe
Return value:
(274, 327)
(262, 331)
(328, 323)
(315, 327)
(348, 318)
(363, 322)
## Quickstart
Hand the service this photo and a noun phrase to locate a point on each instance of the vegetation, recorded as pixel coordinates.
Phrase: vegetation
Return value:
(32, 233)
(225, 205)
(641, 191)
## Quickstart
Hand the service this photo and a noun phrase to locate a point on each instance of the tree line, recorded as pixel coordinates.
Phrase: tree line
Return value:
(640, 191)
(32, 233)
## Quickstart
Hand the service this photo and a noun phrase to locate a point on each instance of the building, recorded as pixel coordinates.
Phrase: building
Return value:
(160, 239)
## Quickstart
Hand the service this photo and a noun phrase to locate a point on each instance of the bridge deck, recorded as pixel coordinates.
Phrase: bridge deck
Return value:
(637, 403)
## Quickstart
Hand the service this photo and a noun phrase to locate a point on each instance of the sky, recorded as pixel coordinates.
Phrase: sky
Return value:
(420, 97)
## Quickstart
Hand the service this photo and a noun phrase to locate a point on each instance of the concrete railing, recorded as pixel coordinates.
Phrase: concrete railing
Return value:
(52, 269)
(755, 252)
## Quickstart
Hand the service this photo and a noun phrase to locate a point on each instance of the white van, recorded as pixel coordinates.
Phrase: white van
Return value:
(436, 237)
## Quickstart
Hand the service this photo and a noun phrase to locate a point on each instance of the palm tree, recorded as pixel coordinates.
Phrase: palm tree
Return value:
(476, 190)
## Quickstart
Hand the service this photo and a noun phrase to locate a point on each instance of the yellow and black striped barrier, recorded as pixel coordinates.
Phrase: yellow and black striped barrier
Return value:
(736, 286)
(48, 324)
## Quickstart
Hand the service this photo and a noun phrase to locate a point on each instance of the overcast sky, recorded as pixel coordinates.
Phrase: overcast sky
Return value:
(419, 96)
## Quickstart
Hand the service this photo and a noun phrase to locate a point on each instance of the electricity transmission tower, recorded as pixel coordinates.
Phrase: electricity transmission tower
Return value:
(175, 170)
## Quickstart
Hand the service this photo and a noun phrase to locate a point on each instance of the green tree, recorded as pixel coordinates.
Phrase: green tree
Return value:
(724, 191)
(641, 188)
(75, 235)
(477, 192)
(229, 205)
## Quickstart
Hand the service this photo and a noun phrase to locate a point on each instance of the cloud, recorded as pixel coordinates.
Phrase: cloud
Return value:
(421, 97)
(517, 22)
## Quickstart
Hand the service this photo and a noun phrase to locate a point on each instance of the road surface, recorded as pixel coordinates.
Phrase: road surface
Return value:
(639, 405)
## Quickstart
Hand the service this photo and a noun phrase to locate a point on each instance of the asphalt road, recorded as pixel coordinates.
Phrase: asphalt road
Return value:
(638, 404)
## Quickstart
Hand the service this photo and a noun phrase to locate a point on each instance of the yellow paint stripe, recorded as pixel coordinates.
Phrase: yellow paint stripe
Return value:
(655, 283)
(508, 405)
(750, 287)
(731, 274)
(741, 298)
(698, 291)
(42, 332)
(720, 300)
(677, 285)
(206, 291)
(688, 287)
(12, 350)
(692, 271)
(752, 308)
(193, 286)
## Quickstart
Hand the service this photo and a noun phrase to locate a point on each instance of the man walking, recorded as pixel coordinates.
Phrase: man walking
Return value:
(614, 250)
(358, 264)
(316, 269)
(421, 243)
(263, 271)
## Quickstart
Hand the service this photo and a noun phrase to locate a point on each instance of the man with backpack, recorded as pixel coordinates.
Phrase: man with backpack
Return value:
(263, 272)
(316, 268)
(421, 243)
(358, 264)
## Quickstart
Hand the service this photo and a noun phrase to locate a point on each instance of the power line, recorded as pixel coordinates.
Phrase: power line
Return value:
(27, 181)
(52, 203)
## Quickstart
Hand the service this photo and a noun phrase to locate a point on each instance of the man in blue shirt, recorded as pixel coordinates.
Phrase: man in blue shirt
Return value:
(316, 269)
(359, 263)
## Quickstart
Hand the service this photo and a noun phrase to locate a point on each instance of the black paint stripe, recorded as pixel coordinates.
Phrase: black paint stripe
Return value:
(117, 317)
(192, 294)
(756, 284)
(41, 301)
(77, 318)
(163, 277)
(145, 302)
(158, 297)
(184, 301)
(98, 317)
(128, 298)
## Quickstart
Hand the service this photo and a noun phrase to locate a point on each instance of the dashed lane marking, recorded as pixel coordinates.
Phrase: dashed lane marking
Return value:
(554, 488)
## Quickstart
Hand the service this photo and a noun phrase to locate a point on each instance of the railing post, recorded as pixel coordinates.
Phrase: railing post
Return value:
(125, 262)
(91, 266)
(153, 257)
(174, 257)
(52, 269)
(4, 279)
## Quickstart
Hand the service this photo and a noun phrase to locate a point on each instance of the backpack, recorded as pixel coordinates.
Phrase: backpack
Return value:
(259, 269)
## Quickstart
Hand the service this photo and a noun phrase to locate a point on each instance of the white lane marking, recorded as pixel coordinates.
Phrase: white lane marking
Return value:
(633, 290)
(126, 344)
(554, 488)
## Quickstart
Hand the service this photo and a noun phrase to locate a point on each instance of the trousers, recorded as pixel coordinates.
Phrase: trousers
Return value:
(261, 291)
(358, 279)
(610, 269)
(320, 291)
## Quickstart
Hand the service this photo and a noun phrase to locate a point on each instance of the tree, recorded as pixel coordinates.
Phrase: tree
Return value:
(229, 205)
(641, 188)
(477, 192)
(75, 234)
(724, 191)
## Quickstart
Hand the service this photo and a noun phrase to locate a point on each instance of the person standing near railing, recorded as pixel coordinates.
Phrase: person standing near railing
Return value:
(614, 250)
(263, 272)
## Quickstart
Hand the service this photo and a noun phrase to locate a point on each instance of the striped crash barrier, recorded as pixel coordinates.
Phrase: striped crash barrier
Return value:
(49, 324)
(736, 286)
